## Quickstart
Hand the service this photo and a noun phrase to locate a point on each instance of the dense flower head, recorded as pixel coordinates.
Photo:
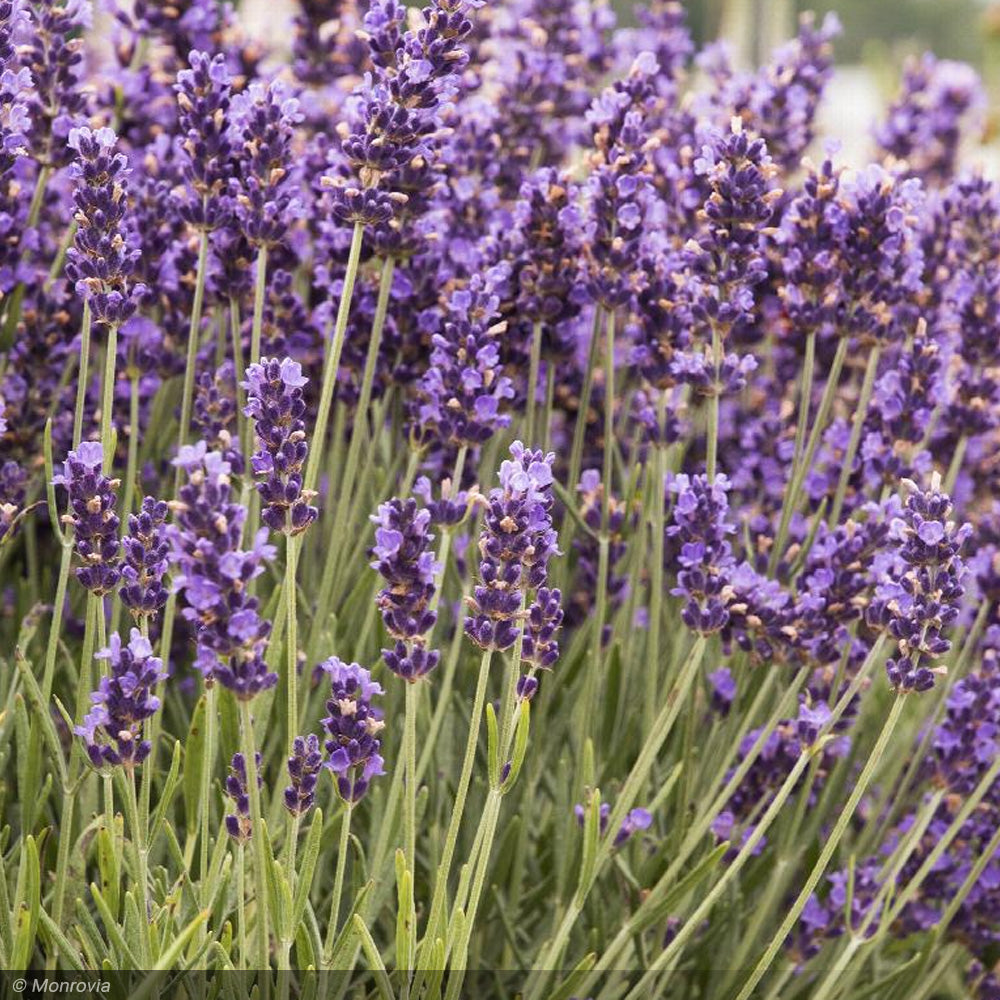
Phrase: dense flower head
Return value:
(262, 120)
(322, 48)
(239, 826)
(103, 257)
(146, 556)
(352, 727)
(213, 573)
(304, 766)
(124, 699)
(459, 397)
(920, 599)
(91, 503)
(699, 536)
(516, 544)
(276, 404)
(403, 558)
(203, 100)
(54, 57)
(15, 84)
(214, 413)
(939, 101)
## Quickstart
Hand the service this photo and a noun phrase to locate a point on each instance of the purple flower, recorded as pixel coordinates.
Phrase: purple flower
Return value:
(146, 556)
(215, 411)
(634, 821)
(920, 598)
(91, 505)
(213, 573)
(460, 395)
(276, 404)
(516, 544)
(352, 743)
(261, 122)
(304, 766)
(938, 102)
(203, 100)
(703, 555)
(112, 730)
(103, 257)
(238, 824)
(403, 558)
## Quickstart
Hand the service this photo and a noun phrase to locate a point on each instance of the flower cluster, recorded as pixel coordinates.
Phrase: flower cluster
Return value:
(145, 551)
(112, 730)
(91, 503)
(276, 405)
(238, 824)
(102, 259)
(304, 767)
(920, 598)
(515, 547)
(213, 574)
(403, 558)
(352, 741)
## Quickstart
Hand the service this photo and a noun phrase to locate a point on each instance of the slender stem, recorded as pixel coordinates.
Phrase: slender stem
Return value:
(194, 331)
(955, 466)
(291, 641)
(108, 397)
(609, 418)
(338, 883)
(830, 845)
(241, 904)
(439, 902)
(855, 439)
(410, 785)
(550, 393)
(259, 854)
(793, 492)
(532, 392)
(84, 374)
(333, 359)
(805, 397)
(712, 441)
(343, 497)
(653, 672)
(207, 764)
(142, 876)
(260, 287)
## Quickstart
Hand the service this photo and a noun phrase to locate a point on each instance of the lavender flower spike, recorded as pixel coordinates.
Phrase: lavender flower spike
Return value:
(103, 257)
(275, 402)
(238, 824)
(92, 515)
(922, 595)
(124, 699)
(403, 558)
(352, 727)
(146, 552)
(303, 770)
(516, 544)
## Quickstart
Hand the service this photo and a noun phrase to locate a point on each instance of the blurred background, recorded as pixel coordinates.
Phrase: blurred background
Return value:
(877, 37)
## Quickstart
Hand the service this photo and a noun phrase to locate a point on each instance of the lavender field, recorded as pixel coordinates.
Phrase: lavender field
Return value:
(493, 502)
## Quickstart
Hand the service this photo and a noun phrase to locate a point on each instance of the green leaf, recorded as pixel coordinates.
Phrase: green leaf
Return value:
(591, 841)
(520, 745)
(41, 712)
(574, 980)
(405, 931)
(107, 866)
(67, 952)
(492, 746)
(27, 905)
(307, 869)
(375, 962)
(194, 763)
(112, 929)
(167, 795)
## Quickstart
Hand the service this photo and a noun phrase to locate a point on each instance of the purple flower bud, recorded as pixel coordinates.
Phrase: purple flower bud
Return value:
(304, 766)
(238, 824)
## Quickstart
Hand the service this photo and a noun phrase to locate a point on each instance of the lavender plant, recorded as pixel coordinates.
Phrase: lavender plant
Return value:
(487, 506)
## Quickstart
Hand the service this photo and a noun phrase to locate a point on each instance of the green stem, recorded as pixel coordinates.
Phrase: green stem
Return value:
(84, 375)
(241, 904)
(208, 762)
(257, 839)
(108, 397)
(344, 496)
(333, 359)
(410, 788)
(855, 439)
(830, 845)
(712, 443)
(439, 901)
(793, 492)
(653, 672)
(194, 331)
(533, 367)
(338, 883)
(291, 641)
(955, 466)
(260, 287)
(142, 876)
(805, 397)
